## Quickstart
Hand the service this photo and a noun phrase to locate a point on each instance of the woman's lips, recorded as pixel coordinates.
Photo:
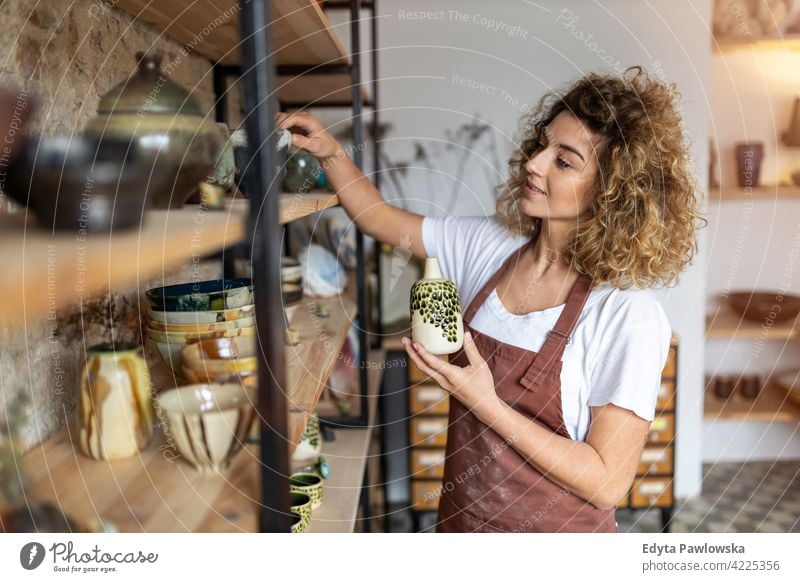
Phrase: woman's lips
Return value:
(531, 190)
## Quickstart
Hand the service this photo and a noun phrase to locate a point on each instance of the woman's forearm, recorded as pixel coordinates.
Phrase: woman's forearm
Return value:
(357, 195)
(575, 466)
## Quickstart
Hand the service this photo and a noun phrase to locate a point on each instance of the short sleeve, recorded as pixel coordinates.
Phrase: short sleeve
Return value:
(628, 371)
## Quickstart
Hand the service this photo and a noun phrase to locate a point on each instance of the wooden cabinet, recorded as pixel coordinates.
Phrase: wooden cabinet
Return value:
(428, 405)
(655, 475)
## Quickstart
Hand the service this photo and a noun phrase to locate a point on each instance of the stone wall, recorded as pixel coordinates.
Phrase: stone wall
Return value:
(68, 54)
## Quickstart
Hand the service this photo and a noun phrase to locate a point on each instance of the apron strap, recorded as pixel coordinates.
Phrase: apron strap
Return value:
(559, 336)
(492, 282)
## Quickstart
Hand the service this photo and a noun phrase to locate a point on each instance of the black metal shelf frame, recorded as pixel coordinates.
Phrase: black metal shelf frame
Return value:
(257, 73)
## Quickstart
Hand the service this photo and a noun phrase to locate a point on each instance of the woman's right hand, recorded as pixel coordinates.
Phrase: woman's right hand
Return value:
(314, 137)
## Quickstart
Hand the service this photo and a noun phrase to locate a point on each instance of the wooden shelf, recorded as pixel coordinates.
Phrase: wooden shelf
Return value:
(773, 192)
(156, 493)
(787, 41)
(301, 33)
(309, 364)
(726, 324)
(771, 405)
(294, 206)
(42, 271)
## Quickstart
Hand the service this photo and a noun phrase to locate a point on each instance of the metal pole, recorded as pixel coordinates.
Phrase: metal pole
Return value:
(257, 78)
(376, 176)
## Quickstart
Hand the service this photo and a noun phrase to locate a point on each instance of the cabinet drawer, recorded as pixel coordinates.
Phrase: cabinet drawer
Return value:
(417, 375)
(425, 493)
(652, 491)
(666, 395)
(427, 463)
(428, 399)
(655, 460)
(662, 429)
(429, 431)
(669, 367)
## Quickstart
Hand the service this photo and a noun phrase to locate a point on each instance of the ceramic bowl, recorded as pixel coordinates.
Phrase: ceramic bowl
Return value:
(201, 327)
(214, 295)
(291, 270)
(291, 292)
(310, 484)
(77, 183)
(297, 523)
(761, 306)
(209, 359)
(198, 317)
(301, 505)
(209, 423)
(190, 337)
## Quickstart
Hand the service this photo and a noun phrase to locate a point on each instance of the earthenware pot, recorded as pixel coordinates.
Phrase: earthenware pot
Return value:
(436, 311)
(116, 407)
(166, 127)
(80, 184)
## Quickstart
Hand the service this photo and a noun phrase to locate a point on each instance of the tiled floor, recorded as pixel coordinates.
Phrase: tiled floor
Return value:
(761, 496)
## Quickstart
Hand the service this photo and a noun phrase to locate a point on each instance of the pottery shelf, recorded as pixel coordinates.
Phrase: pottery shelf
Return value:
(44, 272)
(158, 492)
(726, 324)
(772, 405)
(301, 33)
(773, 192)
(788, 41)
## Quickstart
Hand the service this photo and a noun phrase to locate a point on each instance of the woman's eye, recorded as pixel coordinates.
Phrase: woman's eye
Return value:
(562, 163)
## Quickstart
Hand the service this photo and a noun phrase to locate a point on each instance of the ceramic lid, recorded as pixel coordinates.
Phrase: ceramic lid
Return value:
(149, 90)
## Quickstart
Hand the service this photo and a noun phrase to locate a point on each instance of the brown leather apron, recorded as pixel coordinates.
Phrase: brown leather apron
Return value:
(487, 485)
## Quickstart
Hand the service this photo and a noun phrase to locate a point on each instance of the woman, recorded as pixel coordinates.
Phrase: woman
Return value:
(553, 392)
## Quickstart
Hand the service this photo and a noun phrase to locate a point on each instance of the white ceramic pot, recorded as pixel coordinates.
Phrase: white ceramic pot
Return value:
(436, 312)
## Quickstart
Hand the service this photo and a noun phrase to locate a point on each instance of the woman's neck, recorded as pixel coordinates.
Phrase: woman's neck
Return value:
(547, 255)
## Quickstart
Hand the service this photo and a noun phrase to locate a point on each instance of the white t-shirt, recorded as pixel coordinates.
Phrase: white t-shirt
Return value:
(620, 342)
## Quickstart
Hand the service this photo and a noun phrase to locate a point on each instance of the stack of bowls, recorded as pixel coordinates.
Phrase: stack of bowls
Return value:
(181, 315)
(291, 286)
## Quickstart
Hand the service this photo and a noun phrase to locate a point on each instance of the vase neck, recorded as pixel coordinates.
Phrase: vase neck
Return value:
(432, 270)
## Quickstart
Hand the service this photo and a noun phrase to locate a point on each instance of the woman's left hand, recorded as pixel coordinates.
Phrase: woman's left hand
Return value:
(472, 385)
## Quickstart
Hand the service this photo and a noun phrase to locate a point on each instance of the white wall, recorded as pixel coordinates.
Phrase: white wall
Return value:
(527, 50)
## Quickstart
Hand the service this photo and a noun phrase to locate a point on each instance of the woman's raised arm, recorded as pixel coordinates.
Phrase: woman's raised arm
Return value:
(357, 195)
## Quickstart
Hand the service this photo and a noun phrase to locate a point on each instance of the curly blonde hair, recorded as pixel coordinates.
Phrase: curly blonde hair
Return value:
(640, 228)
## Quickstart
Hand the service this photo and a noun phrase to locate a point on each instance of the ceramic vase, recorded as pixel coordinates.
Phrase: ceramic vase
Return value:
(436, 311)
(116, 408)
(302, 172)
(310, 444)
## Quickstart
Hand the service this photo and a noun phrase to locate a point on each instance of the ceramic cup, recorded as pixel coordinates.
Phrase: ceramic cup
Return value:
(750, 386)
(723, 385)
(308, 483)
(116, 408)
(301, 505)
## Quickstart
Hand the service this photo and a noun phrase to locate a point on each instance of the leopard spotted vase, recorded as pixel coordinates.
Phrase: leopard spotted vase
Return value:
(436, 312)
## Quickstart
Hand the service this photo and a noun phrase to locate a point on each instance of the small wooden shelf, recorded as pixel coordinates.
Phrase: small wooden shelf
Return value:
(773, 192)
(726, 324)
(771, 405)
(155, 492)
(294, 206)
(787, 41)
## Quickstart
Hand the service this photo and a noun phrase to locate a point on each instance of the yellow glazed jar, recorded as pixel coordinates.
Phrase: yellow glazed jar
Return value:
(116, 407)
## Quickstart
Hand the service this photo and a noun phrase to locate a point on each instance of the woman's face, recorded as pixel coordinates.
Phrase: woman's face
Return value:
(561, 175)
